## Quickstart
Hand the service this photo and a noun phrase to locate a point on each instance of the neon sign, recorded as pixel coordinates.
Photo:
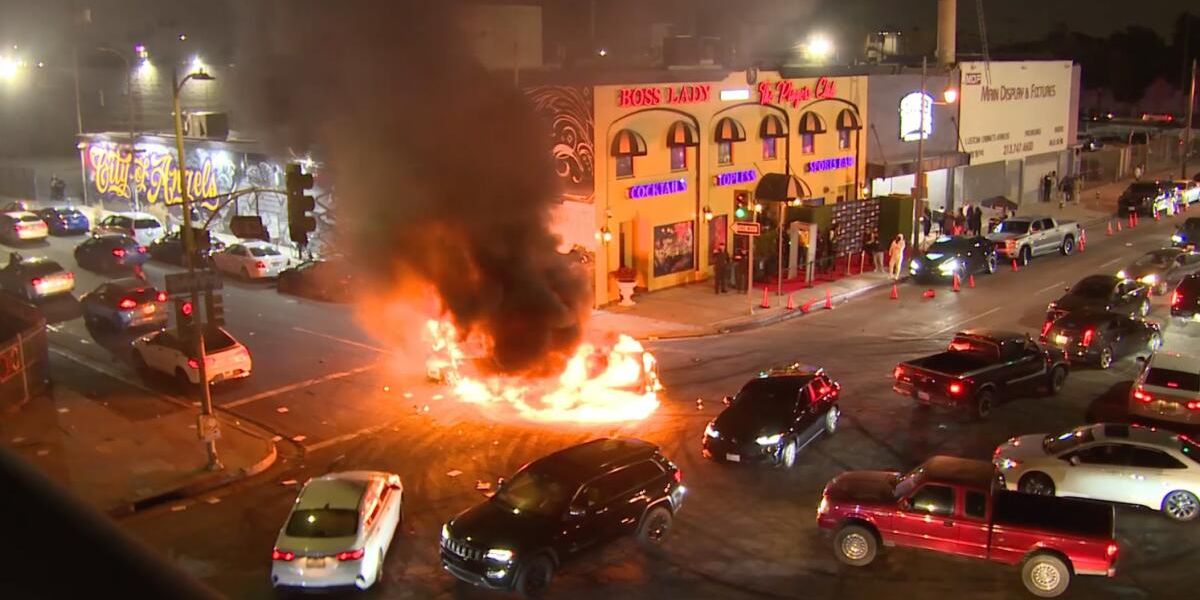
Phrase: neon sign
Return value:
(154, 173)
(658, 188)
(653, 96)
(786, 92)
(829, 164)
(735, 177)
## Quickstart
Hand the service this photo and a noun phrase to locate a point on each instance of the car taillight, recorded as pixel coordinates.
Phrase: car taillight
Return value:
(678, 476)
(69, 275)
(955, 388)
(127, 303)
(1087, 337)
(36, 281)
(141, 249)
(898, 373)
(351, 555)
(161, 297)
(193, 363)
(1193, 405)
(1176, 298)
(118, 252)
(1046, 327)
(284, 555)
(1111, 551)
(260, 265)
(1141, 396)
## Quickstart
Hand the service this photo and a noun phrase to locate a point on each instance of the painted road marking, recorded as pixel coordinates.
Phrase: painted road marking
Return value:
(345, 437)
(1048, 288)
(961, 323)
(106, 370)
(343, 340)
(294, 386)
(1112, 261)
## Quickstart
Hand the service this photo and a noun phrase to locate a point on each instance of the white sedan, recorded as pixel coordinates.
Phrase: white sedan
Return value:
(1129, 464)
(251, 259)
(339, 531)
(165, 352)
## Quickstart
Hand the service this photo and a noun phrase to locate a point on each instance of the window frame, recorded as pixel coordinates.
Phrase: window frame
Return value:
(619, 161)
(808, 143)
(843, 139)
(727, 146)
(912, 505)
(683, 153)
(773, 144)
(982, 497)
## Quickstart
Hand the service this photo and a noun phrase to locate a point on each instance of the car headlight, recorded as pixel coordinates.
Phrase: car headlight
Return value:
(711, 431)
(1007, 464)
(1150, 279)
(768, 440)
(949, 266)
(914, 265)
(499, 554)
(445, 532)
(1122, 274)
(1176, 238)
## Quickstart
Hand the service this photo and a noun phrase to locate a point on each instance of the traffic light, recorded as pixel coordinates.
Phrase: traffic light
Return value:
(185, 317)
(741, 204)
(300, 223)
(215, 304)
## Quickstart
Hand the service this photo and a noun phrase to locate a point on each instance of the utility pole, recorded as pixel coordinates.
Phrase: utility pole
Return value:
(1187, 131)
(79, 125)
(129, 98)
(918, 184)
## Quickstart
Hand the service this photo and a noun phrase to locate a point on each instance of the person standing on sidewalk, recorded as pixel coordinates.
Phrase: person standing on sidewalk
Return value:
(58, 188)
(739, 269)
(896, 257)
(720, 263)
(1137, 172)
(976, 220)
(876, 249)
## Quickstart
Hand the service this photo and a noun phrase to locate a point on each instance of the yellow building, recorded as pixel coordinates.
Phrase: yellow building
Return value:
(670, 158)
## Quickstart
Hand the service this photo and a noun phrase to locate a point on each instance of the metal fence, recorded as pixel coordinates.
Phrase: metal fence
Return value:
(24, 353)
(17, 182)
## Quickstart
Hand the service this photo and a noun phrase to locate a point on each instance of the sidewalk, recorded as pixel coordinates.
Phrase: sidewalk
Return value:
(119, 448)
(695, 310)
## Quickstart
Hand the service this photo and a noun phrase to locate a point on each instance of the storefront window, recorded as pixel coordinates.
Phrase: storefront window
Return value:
(807, 143)
(624, 166)
(769, 148)
(843, 138)
(725, 153)
(678, 158)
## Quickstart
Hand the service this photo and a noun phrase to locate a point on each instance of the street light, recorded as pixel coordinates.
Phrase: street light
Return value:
(950, 95)
(189, 251)
(129, 98)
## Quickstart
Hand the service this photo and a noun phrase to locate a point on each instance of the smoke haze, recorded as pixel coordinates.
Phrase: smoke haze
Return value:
(442, 171)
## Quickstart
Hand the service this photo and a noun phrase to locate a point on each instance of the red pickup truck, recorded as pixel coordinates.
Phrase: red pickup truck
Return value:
(952, 505)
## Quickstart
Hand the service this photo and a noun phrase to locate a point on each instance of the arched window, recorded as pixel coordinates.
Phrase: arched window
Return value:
(626, 145)
(728, 131)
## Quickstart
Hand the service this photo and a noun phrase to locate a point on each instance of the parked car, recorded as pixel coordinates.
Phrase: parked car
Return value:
(1090, 143)
(1185, 300)
(980, 367)
(21, 226)
(143, 227)
(328, 280)
(1023, 238)
(1101, 338)
(169, 249)
(949, 505)
(773, 417)
(109, 252)
(64, 220)
(1188, 234)
(124, 304)
(16, 206)
(165, 352)
(1121, 463)
(35, 278)
(1147, 198)
(1186, 191)
(338, 531)
(559, 505)
(1158, 269)
(957, 255)
(251, 259)
(1167, 388)
(1105, 293)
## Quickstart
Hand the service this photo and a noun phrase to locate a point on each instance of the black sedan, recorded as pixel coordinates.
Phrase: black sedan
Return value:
(328, 280)
(1101, 338)
(1161, 268)
(773, 417)
(109, 251)
(1106, 293)
(954, 255)
(35, 278)
(64, 220)
(169, 249)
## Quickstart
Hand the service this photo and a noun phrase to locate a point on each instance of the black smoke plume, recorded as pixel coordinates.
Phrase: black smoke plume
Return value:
(442, 170)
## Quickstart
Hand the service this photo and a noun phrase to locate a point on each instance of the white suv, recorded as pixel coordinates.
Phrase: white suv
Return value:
(1167, 388)
(143, 227)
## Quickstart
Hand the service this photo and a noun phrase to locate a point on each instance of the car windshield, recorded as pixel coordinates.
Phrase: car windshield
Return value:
(768, 395)
(146, 224)
(905, 484)
(41, 267)
(1094, 288)
(1154, 259)
(944, 247)
(1189, 448)
(140, 294)
(1143, 188)
(1057, 444)
(29, 218)
(536, 492)
(263, 251)
(216, 340)
(323, 523)
(1018, 227)
(1176, 380)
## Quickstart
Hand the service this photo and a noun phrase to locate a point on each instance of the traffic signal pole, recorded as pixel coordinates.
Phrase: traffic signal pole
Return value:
(189, 250)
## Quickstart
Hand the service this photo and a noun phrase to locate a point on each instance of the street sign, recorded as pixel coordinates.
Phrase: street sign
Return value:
(186, 283)
(207, 428)
(747, 228)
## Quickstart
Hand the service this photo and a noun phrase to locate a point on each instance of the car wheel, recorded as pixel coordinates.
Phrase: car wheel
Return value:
(1181, 505)
(1058, 376)
(1156, 341)
(1068, 246)
(1144, 309)
(655, 526)
(989, 266)
(534, 578)
(831, 420)
(983, 404)
(1045, 575)
(1106, 358)
(787, 456)
(1038, 484)
(855, 545)
(1026, 256)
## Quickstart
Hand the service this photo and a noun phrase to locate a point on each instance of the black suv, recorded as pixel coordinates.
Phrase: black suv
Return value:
(1185, 300)
(559, 505)
(1143, 197)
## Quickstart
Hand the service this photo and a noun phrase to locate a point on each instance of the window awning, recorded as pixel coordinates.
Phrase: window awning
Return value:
(810, 122)
(848, 119)
(628, 143)
(772, 127)
(908, 165)
(779, 187)
(682, 133)
(729, 130)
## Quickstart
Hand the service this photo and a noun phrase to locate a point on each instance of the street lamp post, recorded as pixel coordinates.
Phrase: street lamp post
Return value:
(920, 190)
(189, 250)
(132, 129)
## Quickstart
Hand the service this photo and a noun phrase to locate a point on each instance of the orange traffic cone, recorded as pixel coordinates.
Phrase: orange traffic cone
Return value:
(1118, 225)
(1109, 228)
(895, 293)
(791, 303)
(1082, 239)
(807, 306)
(956, 284)
(828, 300)
(1132, 220)
(929, 293)
(1015, 267)
(971, 281)
(1156, 216)
(766, 301)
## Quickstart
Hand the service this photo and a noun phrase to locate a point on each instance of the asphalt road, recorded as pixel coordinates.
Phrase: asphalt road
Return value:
(743, 532)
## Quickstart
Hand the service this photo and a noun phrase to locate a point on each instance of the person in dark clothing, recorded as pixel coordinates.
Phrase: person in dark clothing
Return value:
(976, 220)
(720, 263)
(1047, 186)
(830, 250)
(926, 222)
(873, 246)
(739, 269)
(58, 188)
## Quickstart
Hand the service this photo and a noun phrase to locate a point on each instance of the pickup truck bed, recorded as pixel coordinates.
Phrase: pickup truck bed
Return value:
(951, 363)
